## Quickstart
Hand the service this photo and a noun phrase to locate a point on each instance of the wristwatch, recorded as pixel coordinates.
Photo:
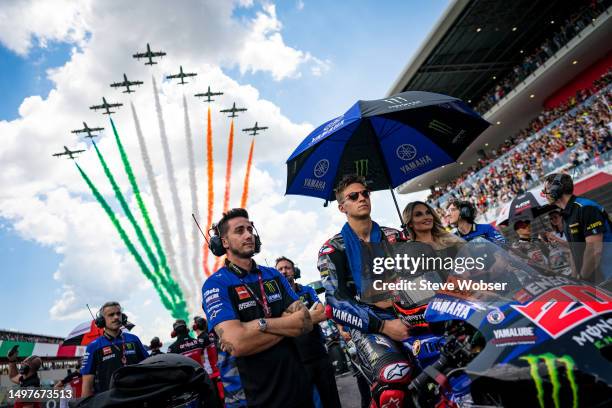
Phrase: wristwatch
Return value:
(262, 325)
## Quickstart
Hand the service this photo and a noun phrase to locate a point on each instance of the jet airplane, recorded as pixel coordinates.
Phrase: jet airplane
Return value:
(208, 95)
(182, 75)
(67, 152)
(105, 105)
(233, 111)
(126, 83)
(149, 54)
(88, 130)
(255, 129)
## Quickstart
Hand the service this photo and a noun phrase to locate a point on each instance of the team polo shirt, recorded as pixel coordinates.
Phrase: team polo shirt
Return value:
(310, 345)
(103, 357)
(583, 218)
(485, 231)
(271, 378)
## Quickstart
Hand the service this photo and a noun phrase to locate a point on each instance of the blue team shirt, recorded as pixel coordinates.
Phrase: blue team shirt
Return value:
(103, 357)
(273, 377)
(485, 231)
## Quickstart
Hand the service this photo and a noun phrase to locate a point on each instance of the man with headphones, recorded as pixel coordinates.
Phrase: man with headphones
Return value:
(587, 227)
(311, 346)
(26, 376)
(256, 315)
(461, 214)
(155, 346)
(111, 351)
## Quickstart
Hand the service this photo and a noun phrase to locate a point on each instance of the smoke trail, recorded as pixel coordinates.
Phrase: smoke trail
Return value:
(245, 187)
(173, 190)
(194, 197)
(228, 178)
(169, 259)
(145, 214)
(211, 191)
(228, 168)
(175, 311)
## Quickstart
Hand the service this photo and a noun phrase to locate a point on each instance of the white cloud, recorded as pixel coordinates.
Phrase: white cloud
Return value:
(300, 5)
(45, 199)
(24, 24)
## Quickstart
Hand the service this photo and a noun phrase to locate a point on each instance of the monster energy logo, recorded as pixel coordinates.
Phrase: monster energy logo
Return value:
(361, 167)
(440, 127)
(552, 364)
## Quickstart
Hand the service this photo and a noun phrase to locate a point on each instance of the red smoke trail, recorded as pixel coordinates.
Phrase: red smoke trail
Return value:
(245, 187)
(228, 178)
(211, 190)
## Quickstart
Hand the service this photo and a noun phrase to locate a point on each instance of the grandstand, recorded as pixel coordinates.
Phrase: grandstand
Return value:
(539, 72)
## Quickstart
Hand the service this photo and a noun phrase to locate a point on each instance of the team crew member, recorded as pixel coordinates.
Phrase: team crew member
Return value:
(113, 350)
(587, 227)
(256, 315)
(532, 250)
(462, 215)
(209, 343)
(185, 344)
(26, 376)
(311, 345)
(155, 346)
(374, 328)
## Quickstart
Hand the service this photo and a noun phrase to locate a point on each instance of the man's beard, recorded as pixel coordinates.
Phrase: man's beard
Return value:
(246, 254)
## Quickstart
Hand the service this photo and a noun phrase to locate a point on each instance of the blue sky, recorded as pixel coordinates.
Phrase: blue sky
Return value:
(367, 44)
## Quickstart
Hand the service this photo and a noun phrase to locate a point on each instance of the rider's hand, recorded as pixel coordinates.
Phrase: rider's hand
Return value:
(395, 329)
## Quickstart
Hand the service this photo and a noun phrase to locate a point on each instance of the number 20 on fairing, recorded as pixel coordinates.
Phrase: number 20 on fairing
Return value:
(559, 310)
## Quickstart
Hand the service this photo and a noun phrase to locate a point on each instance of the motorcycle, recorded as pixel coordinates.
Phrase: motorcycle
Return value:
(541, 341)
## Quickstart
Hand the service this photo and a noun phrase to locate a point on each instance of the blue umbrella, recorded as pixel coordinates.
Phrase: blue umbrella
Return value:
(388, 141)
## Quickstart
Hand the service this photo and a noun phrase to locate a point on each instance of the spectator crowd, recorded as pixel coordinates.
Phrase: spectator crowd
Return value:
(536, 58)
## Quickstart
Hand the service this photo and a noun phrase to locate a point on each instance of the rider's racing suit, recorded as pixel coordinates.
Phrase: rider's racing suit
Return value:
(388, 368)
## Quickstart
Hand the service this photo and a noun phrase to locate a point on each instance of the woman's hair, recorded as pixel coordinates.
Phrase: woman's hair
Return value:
(439, 234)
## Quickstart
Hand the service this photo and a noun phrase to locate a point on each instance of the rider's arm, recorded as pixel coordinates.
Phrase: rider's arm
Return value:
(332, 265)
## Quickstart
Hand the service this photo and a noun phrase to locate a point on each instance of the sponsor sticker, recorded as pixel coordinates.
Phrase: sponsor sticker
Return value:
(242, 292)
(495, 316)
(107, 350)
(245, 305)
(514, 335)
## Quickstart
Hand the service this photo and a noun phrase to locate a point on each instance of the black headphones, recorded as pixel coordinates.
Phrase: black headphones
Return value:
(216, 245)
(467, 211)
(297, 274)
(177, 324)
(555, 188)
(100, 322)
(199, 323)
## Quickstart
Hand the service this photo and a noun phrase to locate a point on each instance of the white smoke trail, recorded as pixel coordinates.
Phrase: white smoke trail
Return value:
(184, 250)
(197, 276)
(159, 206)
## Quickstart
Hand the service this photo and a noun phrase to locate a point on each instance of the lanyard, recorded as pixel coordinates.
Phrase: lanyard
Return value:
(263, 302)
(122, 350)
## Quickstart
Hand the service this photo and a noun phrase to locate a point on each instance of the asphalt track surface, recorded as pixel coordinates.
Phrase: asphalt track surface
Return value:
(348, 391)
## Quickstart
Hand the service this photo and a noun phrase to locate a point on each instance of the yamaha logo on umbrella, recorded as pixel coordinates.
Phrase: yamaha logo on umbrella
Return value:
(321, 168)
(406, 152)
(398, 102)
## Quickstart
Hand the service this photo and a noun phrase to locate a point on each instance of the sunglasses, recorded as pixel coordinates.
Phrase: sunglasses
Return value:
(355, 195)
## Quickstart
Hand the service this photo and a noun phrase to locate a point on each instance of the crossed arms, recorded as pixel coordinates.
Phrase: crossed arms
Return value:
(244, 338)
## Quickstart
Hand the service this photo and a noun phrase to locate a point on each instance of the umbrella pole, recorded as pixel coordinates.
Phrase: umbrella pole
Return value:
(397, 207)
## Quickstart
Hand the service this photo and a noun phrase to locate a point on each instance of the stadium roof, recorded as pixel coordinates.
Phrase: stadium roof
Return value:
(476, 40)
(476, 43)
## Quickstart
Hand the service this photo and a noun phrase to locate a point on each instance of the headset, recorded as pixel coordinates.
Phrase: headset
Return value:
(216, 245)
(297, 274)
(100, 322)
(555, 188)
(467, 211)
(176, 325)
(199, 323)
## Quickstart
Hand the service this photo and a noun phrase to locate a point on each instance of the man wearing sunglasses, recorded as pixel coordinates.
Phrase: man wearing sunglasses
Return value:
(374, 328)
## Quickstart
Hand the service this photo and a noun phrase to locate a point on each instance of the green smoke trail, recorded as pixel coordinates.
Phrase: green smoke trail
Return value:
(145, 215)
(128, 243)
(129, 215)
